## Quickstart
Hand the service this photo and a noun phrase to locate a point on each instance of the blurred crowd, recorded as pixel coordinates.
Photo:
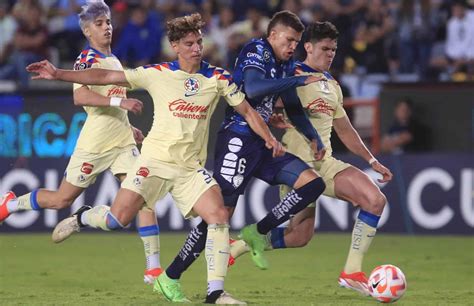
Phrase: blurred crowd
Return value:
(432, 40)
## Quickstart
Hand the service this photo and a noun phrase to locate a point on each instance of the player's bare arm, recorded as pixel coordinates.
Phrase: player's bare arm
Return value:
(258, 125)
(354, 143)
(83, 96)
(93, 76)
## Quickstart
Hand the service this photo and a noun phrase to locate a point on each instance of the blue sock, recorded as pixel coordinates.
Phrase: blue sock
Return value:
(34, 200)
(295, 201)
(277, 238)
(368, 218)
(190, 251)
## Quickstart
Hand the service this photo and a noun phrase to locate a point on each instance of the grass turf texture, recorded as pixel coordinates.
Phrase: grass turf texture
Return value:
(107, 269)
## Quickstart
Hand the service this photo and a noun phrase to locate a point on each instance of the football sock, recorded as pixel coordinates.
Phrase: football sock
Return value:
(217, 255)
(99, 217)
(151, 244)
(238, 248)
(192, 248)
(25, 202)
(277, 238)
(364, 231)
(295, 201)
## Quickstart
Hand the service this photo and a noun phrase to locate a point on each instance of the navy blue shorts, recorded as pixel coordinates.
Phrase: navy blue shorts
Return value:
(239, 157)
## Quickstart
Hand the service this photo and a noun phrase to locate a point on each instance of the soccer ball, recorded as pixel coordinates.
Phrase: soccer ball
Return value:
(387, 283)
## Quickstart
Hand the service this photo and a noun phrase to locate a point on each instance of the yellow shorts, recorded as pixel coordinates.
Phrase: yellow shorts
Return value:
(327, 170)
(153, 179)
(84, 167)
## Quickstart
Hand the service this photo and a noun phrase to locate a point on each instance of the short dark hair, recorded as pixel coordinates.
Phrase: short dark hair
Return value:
(317, 31)
(179, 27)
(285, 18)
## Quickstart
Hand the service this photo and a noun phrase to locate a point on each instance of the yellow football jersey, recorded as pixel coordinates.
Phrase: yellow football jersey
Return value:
(183, 105)
(105, 127)
(322, 102)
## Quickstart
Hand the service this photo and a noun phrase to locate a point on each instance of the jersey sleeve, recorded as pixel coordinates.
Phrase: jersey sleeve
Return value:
(140, 77)
(253, 57)
(82, 64)
(340, 111)
(228, 89)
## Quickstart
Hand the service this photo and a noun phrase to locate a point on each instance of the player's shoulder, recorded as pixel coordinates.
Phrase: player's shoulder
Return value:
(302, 68)
(210, 71)
(87, 58)
(258, 46)
(163, 66)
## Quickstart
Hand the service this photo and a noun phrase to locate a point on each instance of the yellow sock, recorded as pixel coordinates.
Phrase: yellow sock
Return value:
(24, 202)
(96, 217)
(151, 245)
(238, 248)
(217, 251)
(362, 236)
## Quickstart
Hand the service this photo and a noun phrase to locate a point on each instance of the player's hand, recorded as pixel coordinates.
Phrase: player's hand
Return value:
(137, 135)
(278, 121)
(313, 78)
(318, 151)
(386, 173)
(133, 105)
(276, 146)
(43, 70)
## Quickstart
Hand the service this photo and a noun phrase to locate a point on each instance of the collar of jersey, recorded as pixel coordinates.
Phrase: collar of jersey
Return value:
(102, 55)
(204, 68)
(307, 68)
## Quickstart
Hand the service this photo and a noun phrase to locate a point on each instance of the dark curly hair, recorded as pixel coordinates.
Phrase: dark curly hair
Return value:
(179, 27)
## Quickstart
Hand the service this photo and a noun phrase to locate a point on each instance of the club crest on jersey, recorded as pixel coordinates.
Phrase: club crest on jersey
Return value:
(266, 55)
(324, 86)
(191, 86)
(87, 168)
(143, 171)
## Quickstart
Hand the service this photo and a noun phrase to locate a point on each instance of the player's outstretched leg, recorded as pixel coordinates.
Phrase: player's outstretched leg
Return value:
(69, 226)
(295, 201)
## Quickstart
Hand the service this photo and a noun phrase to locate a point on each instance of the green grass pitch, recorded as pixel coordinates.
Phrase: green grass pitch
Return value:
(107, 269)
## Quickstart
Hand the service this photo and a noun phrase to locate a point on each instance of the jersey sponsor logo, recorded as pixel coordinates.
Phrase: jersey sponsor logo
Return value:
(81, 178)
(143, 171)
(320, 106)
(87, 168)
(117, 92)
(191, 86)
(255, 55)
(135, 152)
(250, 62)
(188, 110)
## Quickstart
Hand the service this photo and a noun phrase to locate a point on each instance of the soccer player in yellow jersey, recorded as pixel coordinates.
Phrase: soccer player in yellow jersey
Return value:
(106, 141)
(323, 103)
(185, 93)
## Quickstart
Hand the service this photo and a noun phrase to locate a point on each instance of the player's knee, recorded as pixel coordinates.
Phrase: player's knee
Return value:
(113, 223)
(220, 215)
(377, 203)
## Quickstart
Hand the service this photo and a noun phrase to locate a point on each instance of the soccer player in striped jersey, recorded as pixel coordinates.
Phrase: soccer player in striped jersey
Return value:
(323, 102)
(106, 142)
(185, 93)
